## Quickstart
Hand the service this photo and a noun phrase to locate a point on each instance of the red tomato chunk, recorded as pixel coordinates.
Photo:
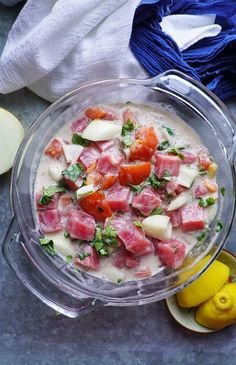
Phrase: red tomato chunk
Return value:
(97, 205)
(50, 220)
(54, 150)
(145, 145)
(134, 174)
(133, 239)
(80, 225)
(109, 161)
(119, 198)
(91, 261)
(192, 218)
(88, 156)
(172, 253)
(165, 163)
(146, 201)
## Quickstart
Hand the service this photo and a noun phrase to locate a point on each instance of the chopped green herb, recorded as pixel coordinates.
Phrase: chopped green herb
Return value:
(82, 255)
(138, 224)
(48, 245)
(66, 234)
(176, 249)
(222, 190)
(219, 226)
(137, 188)
(169, 130)
(176, 151)
(69, 259)
(204, 203)
(201, 238)
(104, 240)
(127, 127)
(202, 171)
(157, 183)
(77, 139)
(48, 194)
(157, 211)
(119, 281)
(110, 236)
(73, 172)
(163, 145)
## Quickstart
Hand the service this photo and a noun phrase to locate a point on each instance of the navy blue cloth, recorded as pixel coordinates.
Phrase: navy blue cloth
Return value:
(211, 60)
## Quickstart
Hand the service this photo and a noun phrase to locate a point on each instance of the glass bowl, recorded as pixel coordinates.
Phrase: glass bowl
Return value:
(60, 285)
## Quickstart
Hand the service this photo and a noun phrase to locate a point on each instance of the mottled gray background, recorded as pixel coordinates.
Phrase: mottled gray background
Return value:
(31, 333)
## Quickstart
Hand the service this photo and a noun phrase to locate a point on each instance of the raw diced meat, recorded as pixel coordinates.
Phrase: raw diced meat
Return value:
(131, 260)
(146, 201)
(50, 220)
(79, 125)
(52, 205)
(128, 114)
(54, 149)
(200, 190)
(118, 259)
(189, 157)
(91, 261)
(165, 163)
(175, 217)
(203, 156)
(104, 145)
(192, 218)
(119, 198)
(171, 187)
(172, 253)
(110, 115)
(80, 225)
(109, 161)
(89, 155)
(133, 239)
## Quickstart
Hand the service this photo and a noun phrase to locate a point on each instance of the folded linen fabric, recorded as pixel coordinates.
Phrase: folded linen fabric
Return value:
(57, 45)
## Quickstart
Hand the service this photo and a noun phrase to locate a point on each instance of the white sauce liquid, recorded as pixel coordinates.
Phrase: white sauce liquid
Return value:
(183, 136)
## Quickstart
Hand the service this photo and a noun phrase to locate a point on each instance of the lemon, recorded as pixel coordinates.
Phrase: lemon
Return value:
(209, 283)
(220, 310)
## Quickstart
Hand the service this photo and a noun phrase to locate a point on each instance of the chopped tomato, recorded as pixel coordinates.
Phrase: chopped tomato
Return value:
(95, 113)
(134, 174)
(145, 145)
(54, 150)
(96, 205)
(108, 180)
(93, 178)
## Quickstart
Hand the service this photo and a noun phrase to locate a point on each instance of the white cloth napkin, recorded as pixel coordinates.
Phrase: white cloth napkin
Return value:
(189, 29)
(57, 45)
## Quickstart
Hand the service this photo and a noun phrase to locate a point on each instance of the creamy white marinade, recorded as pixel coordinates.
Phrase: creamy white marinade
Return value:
(183, 136)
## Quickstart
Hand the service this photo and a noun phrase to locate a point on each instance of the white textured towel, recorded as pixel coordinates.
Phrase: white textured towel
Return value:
(57, 45)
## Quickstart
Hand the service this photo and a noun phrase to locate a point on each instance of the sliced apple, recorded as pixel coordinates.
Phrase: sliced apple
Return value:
(186, 175)
(11, 135)
(158, 226)
(72, 152)
(178, 202)
(101, 130)
(85, 190)
(55, 172)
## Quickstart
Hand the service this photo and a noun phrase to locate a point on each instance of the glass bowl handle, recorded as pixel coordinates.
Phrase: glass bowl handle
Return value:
(17, 259)
(203, 100)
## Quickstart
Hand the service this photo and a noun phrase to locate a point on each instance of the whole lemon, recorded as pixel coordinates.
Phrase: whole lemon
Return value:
(209, 283)
(220, 310)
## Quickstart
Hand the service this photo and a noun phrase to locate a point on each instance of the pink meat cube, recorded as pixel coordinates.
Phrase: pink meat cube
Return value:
(168, 163)
(118, 258)
(91, 261)
(119, 198)
(200, 190)
(104, 145)
(110, 161)
(189, 157)
(172, 253)
(50, 220)
(52, 205)
(175, 217)
(192, 217)
(146, 201)
(131, 260)
(89, 155)
(80, 225)
(110, 115)
(79, 125)
(203, 156)
(129, 115)
(171, 187)
(134, 240)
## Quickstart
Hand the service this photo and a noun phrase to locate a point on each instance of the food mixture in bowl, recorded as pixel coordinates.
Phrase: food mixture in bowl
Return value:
(124, 191)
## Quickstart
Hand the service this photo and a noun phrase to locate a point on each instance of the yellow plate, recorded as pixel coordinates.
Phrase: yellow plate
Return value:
(185, 316)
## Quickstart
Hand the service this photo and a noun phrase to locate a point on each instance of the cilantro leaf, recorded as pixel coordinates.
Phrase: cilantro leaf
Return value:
(163, 145)
(219, 226)
(157, 183)
(82, 255)
(66, 234)
(104, 240)
(137, 188)
(176, 150)
(77, 139)
(48, 194)
(169, 130)
(204, 203)
(73, 172)
(202, 171)
(69, 259)
(201, 238)
(138, 224)
(48, 245)
(222, 190)
(127, 127)
(157, 211)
